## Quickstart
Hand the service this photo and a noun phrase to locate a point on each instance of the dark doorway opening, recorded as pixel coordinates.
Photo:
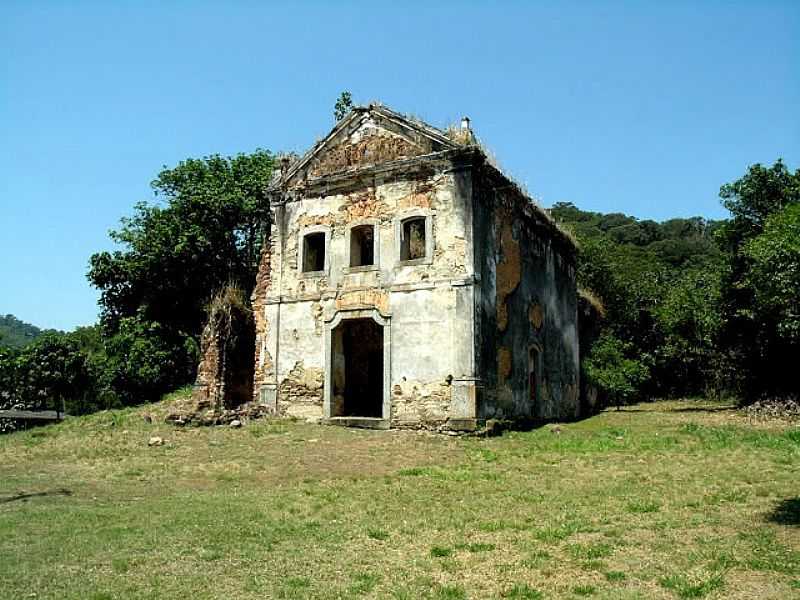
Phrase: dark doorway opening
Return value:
(534, 371)
(357, 369)
(238, 361)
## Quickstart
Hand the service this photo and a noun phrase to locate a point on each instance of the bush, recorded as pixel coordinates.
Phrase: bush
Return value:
(145, 360)
(45, 375)
(618, 378)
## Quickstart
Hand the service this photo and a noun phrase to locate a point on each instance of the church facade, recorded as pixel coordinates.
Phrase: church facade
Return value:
(407, 282)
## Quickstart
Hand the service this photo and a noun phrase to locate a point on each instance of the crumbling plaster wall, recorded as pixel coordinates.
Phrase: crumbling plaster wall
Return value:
(527, 307)
(429, 302)
(263, 361)
(225, 372)
(209, 384)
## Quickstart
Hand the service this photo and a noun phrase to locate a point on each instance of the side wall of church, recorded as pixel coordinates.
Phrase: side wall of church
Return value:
(527, 314)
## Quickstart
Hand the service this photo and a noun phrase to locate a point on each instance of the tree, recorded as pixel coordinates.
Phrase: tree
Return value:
(630, 282)
(51, 371)
(774, 273)
(8, 376)
(144, 359)
(206, 234)
(689, 322)
(209, 233)
(772, 279)
(344, 104)
(751, 327)
(762, 192)
(650, 278)
(618, 377)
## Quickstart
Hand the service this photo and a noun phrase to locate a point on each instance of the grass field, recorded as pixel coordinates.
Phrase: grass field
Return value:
(664, 500)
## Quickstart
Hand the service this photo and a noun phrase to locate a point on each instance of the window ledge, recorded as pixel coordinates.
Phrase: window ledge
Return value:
(312, 274)
(360, 269)
(414, 261)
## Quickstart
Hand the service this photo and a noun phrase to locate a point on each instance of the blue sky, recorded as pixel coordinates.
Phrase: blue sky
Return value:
(638, 107)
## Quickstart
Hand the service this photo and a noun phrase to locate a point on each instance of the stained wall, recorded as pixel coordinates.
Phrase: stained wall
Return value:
(428, 302)
(527, 313)
(485, 326)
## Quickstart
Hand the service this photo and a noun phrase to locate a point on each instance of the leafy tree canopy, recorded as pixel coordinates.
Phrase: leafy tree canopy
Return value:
(759, 286)
(44, 375)
(620, 378)
(774, 273)
(751, 199)
(207, 232)
(658, 284)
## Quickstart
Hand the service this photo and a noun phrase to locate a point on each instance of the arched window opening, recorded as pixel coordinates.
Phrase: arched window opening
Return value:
(534, 377)
(362, 246)
(412, 242)
(314, 252)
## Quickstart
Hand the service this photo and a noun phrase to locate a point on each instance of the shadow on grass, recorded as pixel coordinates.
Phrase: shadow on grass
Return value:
(786, 513)
(23, 497)
(666, 411)
(706, 409)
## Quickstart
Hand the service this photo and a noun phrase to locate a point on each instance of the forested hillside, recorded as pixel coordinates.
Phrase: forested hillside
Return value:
(676, 243)
(694, 306)
(16, 333)
(658, 284)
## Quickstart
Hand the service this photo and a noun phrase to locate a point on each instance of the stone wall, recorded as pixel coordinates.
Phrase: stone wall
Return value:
(209, 382)
(300, 392)
(528, 310)
(263, 361)
(225, 372)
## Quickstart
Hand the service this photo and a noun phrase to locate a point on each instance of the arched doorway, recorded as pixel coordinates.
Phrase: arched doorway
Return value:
(357, 356)
(357, 366)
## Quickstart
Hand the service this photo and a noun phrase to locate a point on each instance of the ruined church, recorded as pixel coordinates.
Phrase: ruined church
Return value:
(407, 282)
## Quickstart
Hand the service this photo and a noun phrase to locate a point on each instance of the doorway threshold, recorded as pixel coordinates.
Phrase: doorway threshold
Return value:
(365, 422)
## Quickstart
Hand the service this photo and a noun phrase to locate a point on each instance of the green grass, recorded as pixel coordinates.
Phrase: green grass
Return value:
(664, 500)
(378, 534)
(522, 591)
(439, 552)
(692, 587)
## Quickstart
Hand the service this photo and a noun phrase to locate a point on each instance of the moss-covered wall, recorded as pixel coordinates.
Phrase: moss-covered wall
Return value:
(527, 312)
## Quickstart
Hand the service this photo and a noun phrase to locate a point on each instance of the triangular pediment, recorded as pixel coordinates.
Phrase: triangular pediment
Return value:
(367, 136)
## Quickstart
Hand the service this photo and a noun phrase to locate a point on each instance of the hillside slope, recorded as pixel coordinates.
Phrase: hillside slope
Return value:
(16, 333)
